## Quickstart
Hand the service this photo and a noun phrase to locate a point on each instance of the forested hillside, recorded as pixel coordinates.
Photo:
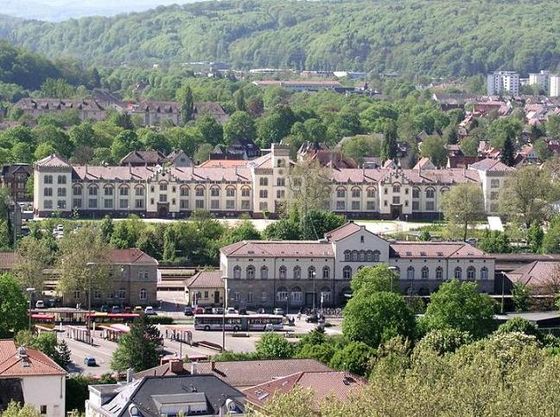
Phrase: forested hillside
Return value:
(437, 37)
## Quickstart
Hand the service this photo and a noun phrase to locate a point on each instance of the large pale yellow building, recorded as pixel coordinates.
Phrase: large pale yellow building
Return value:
(257, 188)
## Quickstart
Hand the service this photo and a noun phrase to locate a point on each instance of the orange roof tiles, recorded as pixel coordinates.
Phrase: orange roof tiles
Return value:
(36, 363)
(288, 249)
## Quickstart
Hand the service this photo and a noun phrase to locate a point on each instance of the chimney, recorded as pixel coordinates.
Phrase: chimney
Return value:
(129, 372)
(176, 366)
(194, 368)
(213, 365)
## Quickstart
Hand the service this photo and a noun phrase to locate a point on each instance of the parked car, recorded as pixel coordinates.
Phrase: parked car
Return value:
(189, 311)
(278, 311)
(217, 310)
(40, 304)
(128, 309)
(231, 310)
(207, 310)
(138, 309)
(199, 310)
(149, 311)
(104, 308)
(115, 309)
(261, 311)
(90, 361)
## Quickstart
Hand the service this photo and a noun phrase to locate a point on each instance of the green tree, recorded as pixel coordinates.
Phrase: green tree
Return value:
(374, 318)
(551, 241)
(13, 307)
(521, 296)
(495, 242)
(390, 146)
(442, 341)
(315, 223)
(210, 130)
(106, 228)
(433, 147)
(239, 98)
(187, 104)
(520, 325)
(203, 153)
(82, 262)
(527, 194)
(309, 185)
(355, 357)
(137, 349)
(240, 126)
(459, 305)
(274, 346)
(508, 153)
(469, 146)
(376, 278)
(34, 256)
(15, 409)
(243, 231)
(535, 237)
(463, 205)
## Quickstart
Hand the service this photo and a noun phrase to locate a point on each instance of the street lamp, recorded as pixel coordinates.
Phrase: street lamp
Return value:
(313, 274)
(88, 316)
(225, 303)
(30, 291)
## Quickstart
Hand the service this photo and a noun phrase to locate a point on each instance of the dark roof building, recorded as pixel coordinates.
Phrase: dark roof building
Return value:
(155, 396)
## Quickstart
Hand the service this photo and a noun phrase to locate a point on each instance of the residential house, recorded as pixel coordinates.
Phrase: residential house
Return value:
(503, 83)
(87, 109)
(31, 377)
(14, 177)
(338, 385)
(172, 396)
(205, 288)
(303, 85)
(238, 374)
(143, 158)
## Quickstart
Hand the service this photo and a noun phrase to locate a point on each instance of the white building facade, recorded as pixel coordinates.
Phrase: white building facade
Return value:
(541, 80)
(41, 381)
(260, 189)
(554, 90)
(296, 274)
(503, 83)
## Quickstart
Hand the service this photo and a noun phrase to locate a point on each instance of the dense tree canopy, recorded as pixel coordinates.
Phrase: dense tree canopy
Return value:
(314, 35)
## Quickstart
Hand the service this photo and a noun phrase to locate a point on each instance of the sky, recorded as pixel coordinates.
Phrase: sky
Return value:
(57, 10)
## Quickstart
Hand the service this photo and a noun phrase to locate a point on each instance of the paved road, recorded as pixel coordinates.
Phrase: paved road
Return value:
(102, 350)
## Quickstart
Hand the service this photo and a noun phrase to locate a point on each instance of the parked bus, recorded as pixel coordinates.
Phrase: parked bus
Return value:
(237, 322)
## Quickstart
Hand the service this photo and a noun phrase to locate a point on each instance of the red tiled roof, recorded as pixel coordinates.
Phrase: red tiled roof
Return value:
(244, 374)
(36, 363)
(536, 273)
(223, 163)
(52, 161)
(435, 250)
(130, 256)
(342, 232)
(206, 279)
(490, 165)
(327, 384)
(288, 249)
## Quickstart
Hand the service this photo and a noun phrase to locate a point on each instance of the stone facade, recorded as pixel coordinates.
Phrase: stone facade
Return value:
(300, 274)
(259, 188)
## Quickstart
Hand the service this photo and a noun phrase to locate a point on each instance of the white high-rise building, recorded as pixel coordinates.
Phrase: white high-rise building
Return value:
(554, 82)
(540, 79)
(503, 83)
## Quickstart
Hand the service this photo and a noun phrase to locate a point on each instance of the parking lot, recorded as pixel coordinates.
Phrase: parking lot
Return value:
(102, 349)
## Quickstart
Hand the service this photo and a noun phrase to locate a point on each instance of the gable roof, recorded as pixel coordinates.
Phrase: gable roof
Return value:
(536, 273)
(130, 256)
(342, 232)
(491, 165)
(206, 279)
(435, 250)
(143, 157)
(324, 385)
(285, 248)
(244, 374)
(35, 363)
(151, 393)
(52, 161)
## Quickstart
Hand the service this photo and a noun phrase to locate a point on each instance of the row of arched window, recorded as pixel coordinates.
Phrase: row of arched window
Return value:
(361, 256)
(250, 272)
(296, 295)
(457, 273)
